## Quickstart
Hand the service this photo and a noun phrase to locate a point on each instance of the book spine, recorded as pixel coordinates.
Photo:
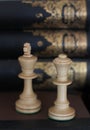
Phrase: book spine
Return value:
(79, 73)
(44, 14)
(45, 43)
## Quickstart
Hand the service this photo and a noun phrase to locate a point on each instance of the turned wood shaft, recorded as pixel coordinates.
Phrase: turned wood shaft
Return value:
(61, 93)
(28, 90)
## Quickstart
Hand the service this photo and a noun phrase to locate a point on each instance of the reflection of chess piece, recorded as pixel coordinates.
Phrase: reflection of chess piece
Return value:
(61, 110)
(28, 102)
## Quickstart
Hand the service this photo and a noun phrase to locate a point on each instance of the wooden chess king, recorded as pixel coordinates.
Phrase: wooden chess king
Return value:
(28, 102)
(61, 110)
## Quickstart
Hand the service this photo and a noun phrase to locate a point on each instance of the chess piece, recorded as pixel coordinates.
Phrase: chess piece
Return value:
(28, 102)
(61, 109)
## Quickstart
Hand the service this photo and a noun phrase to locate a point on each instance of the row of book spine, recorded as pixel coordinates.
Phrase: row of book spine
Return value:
(51, 27)
(58, 14)
(79, 73)
(45, 43)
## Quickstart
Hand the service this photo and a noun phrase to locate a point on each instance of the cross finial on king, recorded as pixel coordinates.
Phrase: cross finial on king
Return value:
(27, 50)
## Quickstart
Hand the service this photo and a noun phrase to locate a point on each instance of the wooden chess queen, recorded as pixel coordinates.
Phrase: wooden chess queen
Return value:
(28, 102)
(61, 109)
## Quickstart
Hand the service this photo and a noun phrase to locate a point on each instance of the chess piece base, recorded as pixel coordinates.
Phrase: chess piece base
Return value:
(61, 114)
(28, 107)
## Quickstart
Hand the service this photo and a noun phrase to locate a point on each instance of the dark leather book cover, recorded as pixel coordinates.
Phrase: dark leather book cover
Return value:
(45, 43)
(79, 73)
(19, 14)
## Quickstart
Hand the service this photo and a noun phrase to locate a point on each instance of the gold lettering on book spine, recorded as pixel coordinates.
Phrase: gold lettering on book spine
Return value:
(63, 13)
(73, 43)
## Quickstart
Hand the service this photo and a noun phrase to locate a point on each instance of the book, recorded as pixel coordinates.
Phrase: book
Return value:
(19, 14)
(79, 74)
(45, 43)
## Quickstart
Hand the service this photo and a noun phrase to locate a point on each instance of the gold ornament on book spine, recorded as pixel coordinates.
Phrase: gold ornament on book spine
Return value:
(73, 43)
(62, 13)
